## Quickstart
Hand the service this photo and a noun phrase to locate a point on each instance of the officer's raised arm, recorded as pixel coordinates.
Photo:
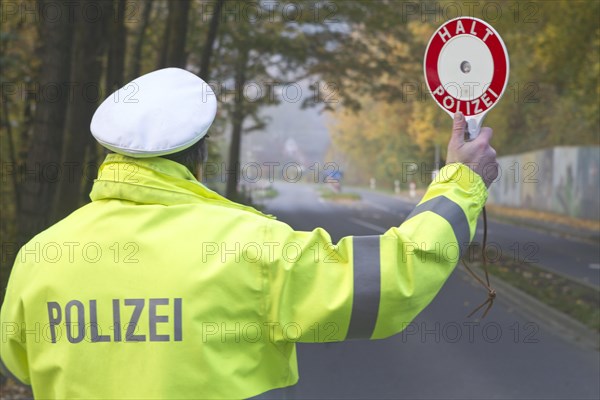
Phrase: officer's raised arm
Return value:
(373, 286)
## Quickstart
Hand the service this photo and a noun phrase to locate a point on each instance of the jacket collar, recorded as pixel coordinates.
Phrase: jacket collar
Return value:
(154, 180)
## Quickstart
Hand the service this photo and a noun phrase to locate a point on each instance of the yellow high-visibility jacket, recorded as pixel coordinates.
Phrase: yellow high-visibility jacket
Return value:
(161, 288)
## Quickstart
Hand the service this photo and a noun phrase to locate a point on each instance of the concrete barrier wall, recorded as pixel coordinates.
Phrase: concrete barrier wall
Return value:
(563, 180)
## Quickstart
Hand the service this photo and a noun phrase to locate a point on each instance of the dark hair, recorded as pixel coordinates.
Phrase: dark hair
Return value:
(192, 157)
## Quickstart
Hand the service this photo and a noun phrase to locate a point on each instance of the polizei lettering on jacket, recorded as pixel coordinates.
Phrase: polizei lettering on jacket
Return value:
(122, 320)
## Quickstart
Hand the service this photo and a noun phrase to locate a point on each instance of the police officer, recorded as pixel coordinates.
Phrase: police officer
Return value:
(161, 288)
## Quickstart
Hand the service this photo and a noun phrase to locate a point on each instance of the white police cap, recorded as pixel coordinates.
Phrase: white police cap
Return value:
(159, 113)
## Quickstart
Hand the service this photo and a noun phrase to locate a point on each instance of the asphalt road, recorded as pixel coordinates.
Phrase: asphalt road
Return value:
(575, 259)
(441, 355)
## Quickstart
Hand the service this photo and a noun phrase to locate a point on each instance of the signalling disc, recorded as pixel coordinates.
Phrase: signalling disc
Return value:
(466, 69)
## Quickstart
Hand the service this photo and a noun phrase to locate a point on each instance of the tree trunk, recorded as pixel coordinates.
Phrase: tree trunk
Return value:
(42, 165)
(115, 66)
(161, 60)
(233, 168)
(211, 37)
(136, 57)
(173, 51)
(86, 68)
(116, 34)
(176, 55)
(11, 149)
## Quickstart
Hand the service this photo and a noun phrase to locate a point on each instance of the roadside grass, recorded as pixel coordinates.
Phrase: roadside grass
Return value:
(330, 195)
(566, 295)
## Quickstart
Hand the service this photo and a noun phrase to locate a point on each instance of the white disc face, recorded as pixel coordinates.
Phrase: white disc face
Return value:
(465, 67)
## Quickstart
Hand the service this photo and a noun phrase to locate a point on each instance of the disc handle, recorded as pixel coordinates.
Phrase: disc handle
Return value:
(473, 127)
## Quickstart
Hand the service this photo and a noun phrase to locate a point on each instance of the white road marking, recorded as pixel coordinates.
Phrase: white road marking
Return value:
(594, 266)
(384, 208)
(369, 225)
(378, 206)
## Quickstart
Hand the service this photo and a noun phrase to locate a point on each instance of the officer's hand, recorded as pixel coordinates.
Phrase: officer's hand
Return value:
(477, 154)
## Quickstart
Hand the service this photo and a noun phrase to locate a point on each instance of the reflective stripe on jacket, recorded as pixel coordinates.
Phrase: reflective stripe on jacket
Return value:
(161, 288)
